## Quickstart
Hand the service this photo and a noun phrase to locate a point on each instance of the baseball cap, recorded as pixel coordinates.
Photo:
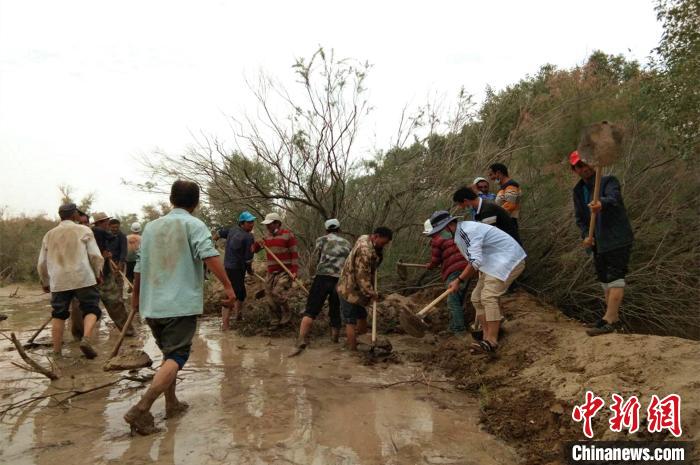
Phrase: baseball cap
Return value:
(136, 227)
(271, 218)
(574, 158)
(332, 224)
(479, 179)
(246, 216)
(67, 207)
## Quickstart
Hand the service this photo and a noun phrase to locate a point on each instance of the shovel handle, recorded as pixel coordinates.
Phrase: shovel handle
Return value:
(596, 198)
(279, 262)
(374, 315)
(126, 326)
(432, 304)
(116, 268)
(31, 341)
(413, 265)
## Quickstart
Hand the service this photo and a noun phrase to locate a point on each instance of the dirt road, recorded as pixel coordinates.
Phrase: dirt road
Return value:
(248, 404)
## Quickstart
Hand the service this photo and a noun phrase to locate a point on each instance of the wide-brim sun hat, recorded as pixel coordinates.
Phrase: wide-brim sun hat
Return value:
(427, 227)
(439, 220)
(100, 216)
(271, 218)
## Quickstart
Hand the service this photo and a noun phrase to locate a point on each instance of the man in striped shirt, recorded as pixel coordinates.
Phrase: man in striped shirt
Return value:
(283, 244)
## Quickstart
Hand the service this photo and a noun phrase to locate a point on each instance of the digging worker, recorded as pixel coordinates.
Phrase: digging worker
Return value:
(498, 259)
(283, 244)
(612, 242)
(356, 284)
(485, 211)
(444, 253)
(509, 194)
(111, 293)
(238, 260)
(169, 292)
(326, 263)
(133, 242)
(69, 266)
(118, 248)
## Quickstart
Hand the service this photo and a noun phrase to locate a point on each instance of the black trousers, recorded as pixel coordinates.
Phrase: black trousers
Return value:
(323, 288)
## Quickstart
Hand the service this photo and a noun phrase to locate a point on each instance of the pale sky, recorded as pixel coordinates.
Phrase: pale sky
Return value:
(88, 86)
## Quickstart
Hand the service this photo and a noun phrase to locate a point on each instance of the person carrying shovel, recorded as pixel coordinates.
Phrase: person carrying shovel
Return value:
(356, 284)
(445, 254)
(326, 263)
(169, 293)
(69, 266)
(612, 240)
(499, 260)
(283, 244)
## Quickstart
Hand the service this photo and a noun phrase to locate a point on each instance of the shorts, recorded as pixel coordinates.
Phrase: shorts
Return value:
(88, 298)
(324, 287)
(612, 266)
(352, 312)
(174, 336)
(237, 278)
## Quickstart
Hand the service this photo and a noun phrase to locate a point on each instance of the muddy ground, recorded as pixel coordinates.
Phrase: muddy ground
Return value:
(429, 402)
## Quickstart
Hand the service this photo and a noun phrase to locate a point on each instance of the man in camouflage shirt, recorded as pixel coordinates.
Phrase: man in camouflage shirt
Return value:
(326, 263)
(356, 284)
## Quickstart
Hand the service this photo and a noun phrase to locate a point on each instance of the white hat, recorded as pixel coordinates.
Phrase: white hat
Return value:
(427, 227)
(332, 224)
(136, 227)
(271, 218)
(479, 179)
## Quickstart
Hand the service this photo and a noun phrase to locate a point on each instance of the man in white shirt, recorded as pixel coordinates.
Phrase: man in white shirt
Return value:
(498, 259)
(69, 266)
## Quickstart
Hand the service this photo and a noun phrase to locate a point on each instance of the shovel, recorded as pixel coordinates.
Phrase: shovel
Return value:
(402, 268)
(600, 146)
(279, 262)
(374, 316)
(414, 324)
(138, 359)
(116, 268)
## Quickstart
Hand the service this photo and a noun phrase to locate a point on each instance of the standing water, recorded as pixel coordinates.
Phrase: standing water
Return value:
(249, 404)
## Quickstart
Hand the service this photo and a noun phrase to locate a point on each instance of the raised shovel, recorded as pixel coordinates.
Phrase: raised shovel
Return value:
(279, 262)
(600, 146)
(414, 324)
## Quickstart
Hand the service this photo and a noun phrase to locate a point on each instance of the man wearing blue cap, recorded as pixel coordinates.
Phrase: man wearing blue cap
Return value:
(238, 259)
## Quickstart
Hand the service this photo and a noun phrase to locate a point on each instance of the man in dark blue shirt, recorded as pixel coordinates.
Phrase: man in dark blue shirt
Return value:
(238, 260)
(612, 240)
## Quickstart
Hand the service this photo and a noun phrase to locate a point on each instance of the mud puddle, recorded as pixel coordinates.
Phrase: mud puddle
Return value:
(249, 404)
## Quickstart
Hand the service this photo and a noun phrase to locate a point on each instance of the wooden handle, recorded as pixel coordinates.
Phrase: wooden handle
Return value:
(279, 262)
(374, 314)
(116, 268)
(596, 198)
(30, 341)
(413, 265)
(126, 326)
(432, 304)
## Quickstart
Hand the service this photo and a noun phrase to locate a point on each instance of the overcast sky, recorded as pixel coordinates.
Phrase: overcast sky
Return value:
(88, 86)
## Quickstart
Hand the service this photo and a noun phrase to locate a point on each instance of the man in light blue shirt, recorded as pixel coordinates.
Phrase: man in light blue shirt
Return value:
(169, 292)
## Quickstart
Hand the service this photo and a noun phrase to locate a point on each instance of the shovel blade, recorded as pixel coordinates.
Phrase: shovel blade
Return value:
(412, 324)
(600, 144)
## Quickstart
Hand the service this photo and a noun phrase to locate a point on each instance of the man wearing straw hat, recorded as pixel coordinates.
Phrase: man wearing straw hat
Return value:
(111, 293)
(283, 244)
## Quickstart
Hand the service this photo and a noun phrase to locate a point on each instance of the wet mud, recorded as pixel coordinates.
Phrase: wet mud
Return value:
(249, 404)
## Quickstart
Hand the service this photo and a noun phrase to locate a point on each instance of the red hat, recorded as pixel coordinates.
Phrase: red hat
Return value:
(574, 158)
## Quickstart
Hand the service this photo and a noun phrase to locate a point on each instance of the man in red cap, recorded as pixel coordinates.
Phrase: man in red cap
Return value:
(612, 241)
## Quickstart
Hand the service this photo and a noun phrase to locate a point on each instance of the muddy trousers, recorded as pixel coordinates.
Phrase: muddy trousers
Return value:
(112, 296)
(489, 289)
(277, 287)
(455, 304)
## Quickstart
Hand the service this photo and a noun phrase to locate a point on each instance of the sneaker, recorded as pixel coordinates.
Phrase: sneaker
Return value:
(605, 328)
(86, 348)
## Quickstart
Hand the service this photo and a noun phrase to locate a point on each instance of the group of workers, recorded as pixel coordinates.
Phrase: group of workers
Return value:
(168, 260)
